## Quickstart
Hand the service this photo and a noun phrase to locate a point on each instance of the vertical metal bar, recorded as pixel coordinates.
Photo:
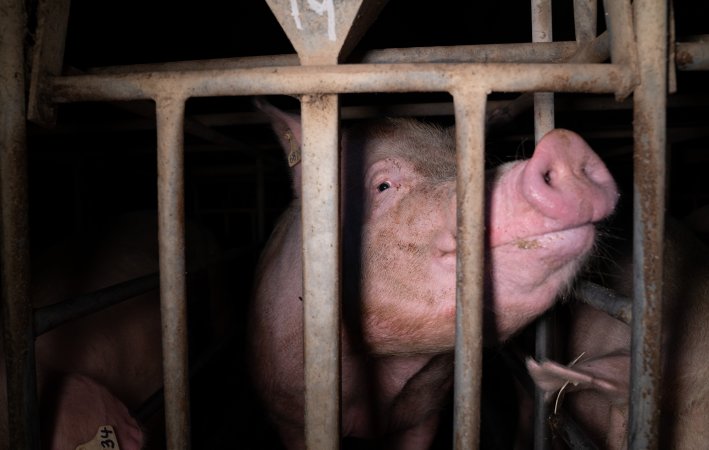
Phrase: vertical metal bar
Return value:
(585, 12)
(543, 101)
(321, 270)
(543, 123)
(649, 132)
(619, 20)
(18, 339)
(171, 236)
(47, 57)
(470, 142)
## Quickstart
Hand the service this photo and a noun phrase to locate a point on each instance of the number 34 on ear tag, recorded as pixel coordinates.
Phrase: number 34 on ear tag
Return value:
(105, 439)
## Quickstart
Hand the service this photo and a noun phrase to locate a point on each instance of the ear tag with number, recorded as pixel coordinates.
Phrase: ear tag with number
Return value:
(105, 439)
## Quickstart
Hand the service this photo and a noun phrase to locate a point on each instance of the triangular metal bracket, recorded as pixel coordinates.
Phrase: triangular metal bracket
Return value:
(324, 31)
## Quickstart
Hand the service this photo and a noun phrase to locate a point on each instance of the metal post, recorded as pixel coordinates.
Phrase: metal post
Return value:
(470, 186)
(543, 123)
(585, 19)
(321, 270)
(171, 237)
(648, 209)
(18, 341)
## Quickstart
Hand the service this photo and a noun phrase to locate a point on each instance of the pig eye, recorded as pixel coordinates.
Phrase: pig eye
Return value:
(384, 186)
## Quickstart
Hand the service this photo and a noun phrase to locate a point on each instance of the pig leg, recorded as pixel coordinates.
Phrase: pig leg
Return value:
(422, 396)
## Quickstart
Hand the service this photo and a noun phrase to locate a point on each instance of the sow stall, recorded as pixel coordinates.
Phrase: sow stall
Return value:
(639, 41)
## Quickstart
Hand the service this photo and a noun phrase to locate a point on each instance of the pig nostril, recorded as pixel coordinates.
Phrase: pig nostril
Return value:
(547, 177)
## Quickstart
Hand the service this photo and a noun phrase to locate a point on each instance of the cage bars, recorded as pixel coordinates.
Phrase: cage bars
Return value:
(649, 123)
(542, 31)
(228, 78)
(16, 311)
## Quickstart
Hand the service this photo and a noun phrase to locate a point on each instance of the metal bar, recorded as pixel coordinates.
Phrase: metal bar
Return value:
(585, 12)
(321, 270)
(594, 78)
(619, 19)
(470, 142)
(52, 316)
(649, 123)
(606, 300)
(594, 51)
(543, 123)
(18, 343)
(693, 55)
(47, 56)
(171, 238)
(489, 53)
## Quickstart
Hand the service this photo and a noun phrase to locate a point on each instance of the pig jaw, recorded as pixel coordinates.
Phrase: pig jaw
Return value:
(541, 216)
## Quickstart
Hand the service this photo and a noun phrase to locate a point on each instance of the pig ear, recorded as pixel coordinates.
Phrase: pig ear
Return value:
(288, 131)
(551, 376)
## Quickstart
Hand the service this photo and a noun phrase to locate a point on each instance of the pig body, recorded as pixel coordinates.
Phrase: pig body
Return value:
(94, 370)
(600, 400)
(399, 270)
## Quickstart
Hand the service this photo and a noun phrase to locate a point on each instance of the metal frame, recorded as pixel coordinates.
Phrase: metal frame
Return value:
(170, 85)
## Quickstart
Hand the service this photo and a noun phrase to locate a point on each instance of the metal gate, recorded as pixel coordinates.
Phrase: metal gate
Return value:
(322, 33)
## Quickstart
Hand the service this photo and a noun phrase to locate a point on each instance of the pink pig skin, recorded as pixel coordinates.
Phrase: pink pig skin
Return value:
(399, 264)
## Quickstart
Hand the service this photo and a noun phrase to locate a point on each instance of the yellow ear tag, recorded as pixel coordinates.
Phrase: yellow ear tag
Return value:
(105, 439)
(294, 153)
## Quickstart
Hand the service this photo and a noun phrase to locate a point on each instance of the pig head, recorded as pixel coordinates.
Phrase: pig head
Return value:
(399, 269)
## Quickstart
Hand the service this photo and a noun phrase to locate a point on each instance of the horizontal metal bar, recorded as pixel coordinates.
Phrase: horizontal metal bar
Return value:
(50, 317)
(692, 55)
(521, 53)
(594, 78)
(606, 300)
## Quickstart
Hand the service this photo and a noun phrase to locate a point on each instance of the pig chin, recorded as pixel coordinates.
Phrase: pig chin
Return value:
(529, 274)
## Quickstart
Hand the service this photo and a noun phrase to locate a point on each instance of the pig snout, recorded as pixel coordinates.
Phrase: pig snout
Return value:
(567, 182)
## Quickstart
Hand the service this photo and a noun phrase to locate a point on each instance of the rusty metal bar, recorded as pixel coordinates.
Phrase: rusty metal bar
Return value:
(693, 55)
(594, 78)
(489, 53)
(47, 56)
(619, 19)
(470, 142)
(171, 238)
(649, 129)
(543, 123)
(585, 12)
(321, 270)
(18, 343)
